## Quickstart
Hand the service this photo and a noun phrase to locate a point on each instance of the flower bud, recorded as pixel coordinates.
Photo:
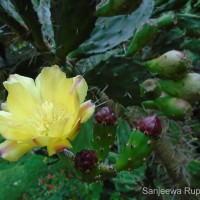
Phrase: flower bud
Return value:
(150, 125)
(105, 116)
(85, 160)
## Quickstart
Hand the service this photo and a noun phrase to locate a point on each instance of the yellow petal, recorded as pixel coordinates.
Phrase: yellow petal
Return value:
(86, 110)
(40, 141)
(12, 129)
(27, 83)
(19, 101)
(57, 145)
(80, 86)
(55, 88)
(74, 131)
(12, 150)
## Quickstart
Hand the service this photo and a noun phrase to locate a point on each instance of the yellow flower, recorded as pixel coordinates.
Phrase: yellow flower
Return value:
(45, 112)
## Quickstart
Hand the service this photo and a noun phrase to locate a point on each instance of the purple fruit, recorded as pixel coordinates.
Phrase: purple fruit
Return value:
(85, 160)
(105, 116)
(150, 125)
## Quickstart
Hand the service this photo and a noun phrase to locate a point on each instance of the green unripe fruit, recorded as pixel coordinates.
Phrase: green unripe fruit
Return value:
(138, 148)
(174, 108)
(150, 89)
(187, 88)
(173, 64)
(144, 35)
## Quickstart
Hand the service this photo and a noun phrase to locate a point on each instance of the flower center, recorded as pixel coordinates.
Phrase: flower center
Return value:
(46, 115)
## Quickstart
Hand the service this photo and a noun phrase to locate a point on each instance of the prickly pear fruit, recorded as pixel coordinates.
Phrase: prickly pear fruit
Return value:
(104, 132)
(150, 89)
(187, 88)
(118, 7)
(105, 116)
(85, 160)
(138, 148)
(150, 125)
(174, 108)
(173, 64)
(144, 35)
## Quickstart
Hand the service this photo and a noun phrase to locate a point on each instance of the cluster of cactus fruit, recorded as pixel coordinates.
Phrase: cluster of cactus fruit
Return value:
(141, 143)
(175, 89)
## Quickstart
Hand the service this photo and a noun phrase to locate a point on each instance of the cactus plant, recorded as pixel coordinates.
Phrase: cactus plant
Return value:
(112, 145)
(104, 132)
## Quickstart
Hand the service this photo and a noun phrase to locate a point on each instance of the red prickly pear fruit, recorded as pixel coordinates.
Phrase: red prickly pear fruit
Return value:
(105, 116)
(85, 160)
(150, 125)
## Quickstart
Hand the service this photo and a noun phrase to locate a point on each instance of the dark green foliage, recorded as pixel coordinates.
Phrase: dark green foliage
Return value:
(112, 31)
(170, 5)
(17, 177)
(118, 7)
(192, 44)
(121, 76)
(129, 181)
(194, 167)
(190, 23)
(25, 9)
(73, 22)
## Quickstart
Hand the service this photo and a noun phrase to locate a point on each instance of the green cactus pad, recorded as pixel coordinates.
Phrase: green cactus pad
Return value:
(144, 35)
(173, 64)
(138, 148)
(103, 139)
(112, 31)
(174, 108)
(73, 22)
(113, 71)
(118, 7)
(187, 88)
